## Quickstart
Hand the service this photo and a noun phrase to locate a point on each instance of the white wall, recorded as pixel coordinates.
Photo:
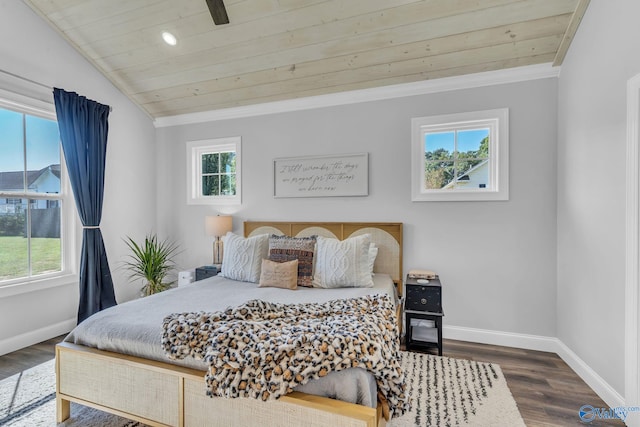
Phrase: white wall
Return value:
(30, 48)
(591, 206)
(497, 260)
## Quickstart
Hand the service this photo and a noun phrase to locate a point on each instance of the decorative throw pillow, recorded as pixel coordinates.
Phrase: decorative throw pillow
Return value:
(242, 257)
(343, 264)
(285, 248)
(279, 274)
(373, 253)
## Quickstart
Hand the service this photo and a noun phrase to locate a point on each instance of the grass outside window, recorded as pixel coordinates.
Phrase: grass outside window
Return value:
(46, 256)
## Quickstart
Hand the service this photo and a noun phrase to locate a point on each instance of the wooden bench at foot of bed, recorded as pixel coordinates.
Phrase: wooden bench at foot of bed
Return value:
(161, 394)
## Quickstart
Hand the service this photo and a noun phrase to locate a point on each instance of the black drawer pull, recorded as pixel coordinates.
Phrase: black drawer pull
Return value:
(423, 301)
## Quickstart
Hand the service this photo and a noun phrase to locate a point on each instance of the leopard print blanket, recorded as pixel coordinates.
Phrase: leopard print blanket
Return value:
(263, 350)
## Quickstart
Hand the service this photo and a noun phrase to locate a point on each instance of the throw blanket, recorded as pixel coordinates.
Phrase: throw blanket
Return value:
(263, 350)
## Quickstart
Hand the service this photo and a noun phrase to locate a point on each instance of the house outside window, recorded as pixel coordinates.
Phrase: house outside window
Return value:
(460, 157)
(214, 171)
(32, 239)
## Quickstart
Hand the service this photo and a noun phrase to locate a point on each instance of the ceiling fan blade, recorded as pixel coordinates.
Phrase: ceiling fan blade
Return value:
(218, 12)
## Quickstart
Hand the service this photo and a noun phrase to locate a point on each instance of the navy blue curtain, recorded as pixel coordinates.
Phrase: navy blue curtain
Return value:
(84, 127)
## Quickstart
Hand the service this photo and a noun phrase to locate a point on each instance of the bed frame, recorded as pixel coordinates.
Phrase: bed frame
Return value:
(161, 394)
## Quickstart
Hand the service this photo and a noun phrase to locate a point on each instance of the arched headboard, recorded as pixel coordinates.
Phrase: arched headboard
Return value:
(386, 235)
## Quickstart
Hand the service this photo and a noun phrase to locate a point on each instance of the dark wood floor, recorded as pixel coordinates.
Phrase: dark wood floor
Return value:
(18, 361)
(547, 391)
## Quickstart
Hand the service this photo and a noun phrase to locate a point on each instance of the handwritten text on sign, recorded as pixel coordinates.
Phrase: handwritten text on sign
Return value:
(345, 175)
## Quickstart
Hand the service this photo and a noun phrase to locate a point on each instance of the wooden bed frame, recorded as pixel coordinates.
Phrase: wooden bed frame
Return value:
(161, 394)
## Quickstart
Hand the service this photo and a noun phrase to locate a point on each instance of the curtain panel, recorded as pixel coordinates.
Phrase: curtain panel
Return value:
(84, 127)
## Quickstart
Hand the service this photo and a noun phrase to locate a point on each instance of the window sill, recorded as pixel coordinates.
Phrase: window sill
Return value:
(460, 196)
(233, 200)
(37, 284)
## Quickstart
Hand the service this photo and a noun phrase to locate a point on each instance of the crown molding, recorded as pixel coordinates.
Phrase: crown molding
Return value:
(488, 78)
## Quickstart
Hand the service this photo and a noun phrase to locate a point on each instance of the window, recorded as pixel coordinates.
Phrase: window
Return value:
(31, 194)
(458, 157)
(213, 168)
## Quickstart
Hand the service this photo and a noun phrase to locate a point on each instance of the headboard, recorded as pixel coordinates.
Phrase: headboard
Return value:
(386, 235)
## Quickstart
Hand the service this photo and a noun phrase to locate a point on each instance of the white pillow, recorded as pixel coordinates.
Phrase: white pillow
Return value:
(373, 253)
(242, 258)
(343, 264)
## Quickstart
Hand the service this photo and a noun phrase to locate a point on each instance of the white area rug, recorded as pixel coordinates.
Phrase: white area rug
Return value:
(28, 399)
(445, 392)
(456, 392)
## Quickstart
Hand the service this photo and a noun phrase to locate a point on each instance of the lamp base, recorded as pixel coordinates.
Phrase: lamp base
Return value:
(217, 251)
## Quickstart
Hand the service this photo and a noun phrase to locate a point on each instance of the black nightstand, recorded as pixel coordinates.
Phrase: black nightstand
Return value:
(423, 314)
(206, 271)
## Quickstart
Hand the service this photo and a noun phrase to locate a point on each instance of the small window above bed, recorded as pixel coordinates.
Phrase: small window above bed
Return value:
(461, 157)
(214, 172)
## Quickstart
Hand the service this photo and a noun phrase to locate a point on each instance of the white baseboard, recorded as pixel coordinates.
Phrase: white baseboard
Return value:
(540, 343)
(507, 339)
(9, 345)
(595, 381)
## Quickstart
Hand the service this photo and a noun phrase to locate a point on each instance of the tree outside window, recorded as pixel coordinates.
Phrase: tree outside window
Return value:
(451, 156)
(214, 171)
(460, 157)
(219, 174)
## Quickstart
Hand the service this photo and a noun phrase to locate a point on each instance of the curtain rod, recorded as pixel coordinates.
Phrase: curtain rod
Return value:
(8, 73)
(25, 79)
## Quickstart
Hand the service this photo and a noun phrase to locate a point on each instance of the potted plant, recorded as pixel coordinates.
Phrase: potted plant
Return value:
(151, 261)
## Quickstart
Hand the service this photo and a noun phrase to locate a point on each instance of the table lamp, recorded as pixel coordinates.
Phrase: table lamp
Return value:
(218, 226)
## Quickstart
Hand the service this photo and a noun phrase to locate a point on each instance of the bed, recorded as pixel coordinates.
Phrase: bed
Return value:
(146, 388)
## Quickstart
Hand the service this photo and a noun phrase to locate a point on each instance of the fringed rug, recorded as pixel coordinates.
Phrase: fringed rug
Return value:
(456, 392)
(445, 392)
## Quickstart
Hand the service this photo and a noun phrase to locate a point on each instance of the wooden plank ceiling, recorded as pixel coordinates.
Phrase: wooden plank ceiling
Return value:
(283, 49)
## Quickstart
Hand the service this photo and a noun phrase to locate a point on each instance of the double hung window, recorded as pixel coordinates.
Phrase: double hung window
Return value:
(32, 183)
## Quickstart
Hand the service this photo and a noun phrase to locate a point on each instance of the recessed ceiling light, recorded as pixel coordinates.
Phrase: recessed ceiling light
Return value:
(169, 38)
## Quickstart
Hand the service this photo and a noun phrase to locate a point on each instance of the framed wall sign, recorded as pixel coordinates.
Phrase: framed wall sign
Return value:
(321, 176)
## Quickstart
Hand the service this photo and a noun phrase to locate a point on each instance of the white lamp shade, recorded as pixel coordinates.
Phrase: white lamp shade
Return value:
(218, 225)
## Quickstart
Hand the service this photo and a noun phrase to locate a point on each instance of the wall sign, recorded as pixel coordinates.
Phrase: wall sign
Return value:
(321, 176)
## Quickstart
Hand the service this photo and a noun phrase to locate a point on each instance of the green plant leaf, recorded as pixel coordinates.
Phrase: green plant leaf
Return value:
(151, 261)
